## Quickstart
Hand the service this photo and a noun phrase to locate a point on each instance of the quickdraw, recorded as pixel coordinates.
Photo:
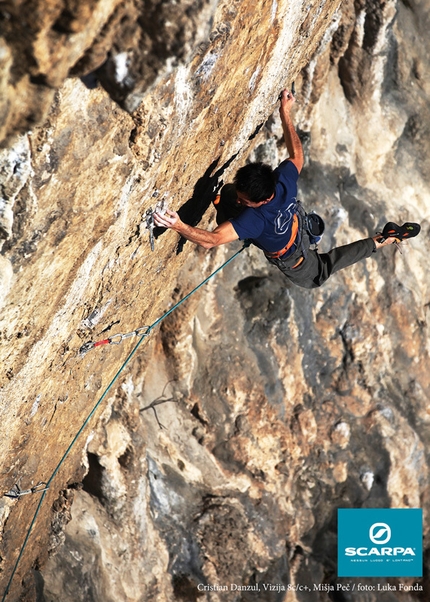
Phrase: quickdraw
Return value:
(160, 208)
(16, 492)
(115, 339)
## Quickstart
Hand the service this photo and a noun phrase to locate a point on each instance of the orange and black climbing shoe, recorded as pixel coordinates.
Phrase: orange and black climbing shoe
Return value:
(400, 233)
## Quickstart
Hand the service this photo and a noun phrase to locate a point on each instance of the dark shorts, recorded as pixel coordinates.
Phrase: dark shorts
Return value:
(316, 268)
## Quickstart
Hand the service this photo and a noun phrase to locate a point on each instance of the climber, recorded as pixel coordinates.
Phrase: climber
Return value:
(270, 216)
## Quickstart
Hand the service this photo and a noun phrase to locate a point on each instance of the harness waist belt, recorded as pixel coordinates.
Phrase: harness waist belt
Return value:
(294, 231)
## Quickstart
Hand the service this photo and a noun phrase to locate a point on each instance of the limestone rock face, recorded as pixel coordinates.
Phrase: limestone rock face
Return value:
(255, 409)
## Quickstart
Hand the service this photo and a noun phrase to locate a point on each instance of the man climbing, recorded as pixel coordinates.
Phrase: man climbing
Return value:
(274, 220)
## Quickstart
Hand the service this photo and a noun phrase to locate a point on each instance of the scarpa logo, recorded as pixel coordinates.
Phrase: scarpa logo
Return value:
(380, 533)
(371, 547)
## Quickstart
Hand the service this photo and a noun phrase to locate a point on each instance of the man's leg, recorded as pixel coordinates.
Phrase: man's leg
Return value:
(342, 257)
(318, 267)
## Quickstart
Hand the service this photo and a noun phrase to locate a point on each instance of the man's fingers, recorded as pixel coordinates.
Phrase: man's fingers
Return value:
(161, 221)
(287, 95)
(164, 220)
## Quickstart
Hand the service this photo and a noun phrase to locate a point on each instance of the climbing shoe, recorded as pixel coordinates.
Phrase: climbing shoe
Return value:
(400, 233)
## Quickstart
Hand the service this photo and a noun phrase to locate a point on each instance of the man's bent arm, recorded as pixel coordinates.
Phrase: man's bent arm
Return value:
(223, 234)
(292, 140)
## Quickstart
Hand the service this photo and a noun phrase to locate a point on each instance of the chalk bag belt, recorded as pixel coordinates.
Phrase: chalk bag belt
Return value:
(294, 230)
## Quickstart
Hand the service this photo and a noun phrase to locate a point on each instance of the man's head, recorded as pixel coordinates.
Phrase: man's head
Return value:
(255, 183)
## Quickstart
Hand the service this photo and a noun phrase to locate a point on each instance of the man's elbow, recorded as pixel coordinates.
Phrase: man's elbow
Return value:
(298, 162)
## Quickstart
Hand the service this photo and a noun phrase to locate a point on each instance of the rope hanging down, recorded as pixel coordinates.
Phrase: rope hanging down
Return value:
(147, 330)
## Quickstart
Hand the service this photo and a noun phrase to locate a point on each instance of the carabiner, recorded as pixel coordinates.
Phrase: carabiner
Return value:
(118, 336)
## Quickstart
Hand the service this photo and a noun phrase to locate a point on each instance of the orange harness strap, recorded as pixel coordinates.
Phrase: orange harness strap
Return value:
(290, 243)
(296, 265)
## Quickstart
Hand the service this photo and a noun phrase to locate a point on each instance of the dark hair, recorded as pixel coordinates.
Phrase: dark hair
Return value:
(256, 180)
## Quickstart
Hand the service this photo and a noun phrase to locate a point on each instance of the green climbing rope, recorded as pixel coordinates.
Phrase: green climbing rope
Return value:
(103, 396)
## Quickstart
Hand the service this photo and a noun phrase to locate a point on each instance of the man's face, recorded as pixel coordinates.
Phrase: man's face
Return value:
(243, 200)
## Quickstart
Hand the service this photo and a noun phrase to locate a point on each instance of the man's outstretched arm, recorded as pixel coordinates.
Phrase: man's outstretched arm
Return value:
(291, 137)
(223, 234)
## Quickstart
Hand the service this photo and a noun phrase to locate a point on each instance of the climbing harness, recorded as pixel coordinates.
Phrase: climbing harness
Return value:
(142, 337)
(294, 232)
(307, 229)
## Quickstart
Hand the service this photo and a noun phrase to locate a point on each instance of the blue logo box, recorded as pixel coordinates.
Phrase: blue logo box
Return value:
(380, 542)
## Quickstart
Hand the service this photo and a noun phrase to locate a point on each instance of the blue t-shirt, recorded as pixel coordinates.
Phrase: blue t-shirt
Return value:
(269, 226)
